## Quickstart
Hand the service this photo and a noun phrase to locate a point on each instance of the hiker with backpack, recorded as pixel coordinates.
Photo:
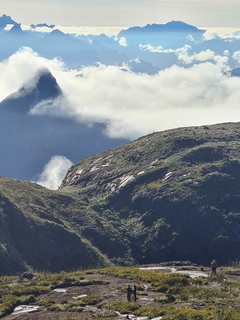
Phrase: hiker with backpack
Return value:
(214, 267)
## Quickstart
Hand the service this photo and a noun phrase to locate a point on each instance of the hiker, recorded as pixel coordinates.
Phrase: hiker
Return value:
(129, 291)
(214, 267)
(135, 293)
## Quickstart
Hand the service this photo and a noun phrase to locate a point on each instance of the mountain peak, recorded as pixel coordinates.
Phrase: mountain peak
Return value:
(43, 70)
(180, 25)
(55, 35)
(43, 86)
(57, 32)
(47, 84)
(4, 20)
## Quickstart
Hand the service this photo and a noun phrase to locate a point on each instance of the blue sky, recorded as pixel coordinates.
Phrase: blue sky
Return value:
(201, 13)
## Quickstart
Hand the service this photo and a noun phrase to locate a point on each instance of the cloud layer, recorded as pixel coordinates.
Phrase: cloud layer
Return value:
(130, 104)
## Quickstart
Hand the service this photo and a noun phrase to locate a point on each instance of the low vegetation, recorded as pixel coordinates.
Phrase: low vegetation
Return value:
(173, 295)
(14, 293)
(181, 295)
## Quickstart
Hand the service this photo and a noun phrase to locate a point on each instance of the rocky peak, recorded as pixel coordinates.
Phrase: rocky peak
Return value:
(47, 84)
(43, 86)
(4, 20)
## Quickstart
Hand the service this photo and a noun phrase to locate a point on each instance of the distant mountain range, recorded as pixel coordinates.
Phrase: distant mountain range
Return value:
(170, 35)
(41, 25)
(152, 45)
(5, 20)
(74, 52)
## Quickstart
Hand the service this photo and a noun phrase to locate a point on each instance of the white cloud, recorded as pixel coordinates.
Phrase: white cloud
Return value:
(133, 104)
(206, 55)
(228, 34)
(236, 56)
(184, 56)
(190, 38)
(123, 42)
(54, 172)
(148, 47)
(226, 52)
(137, 60)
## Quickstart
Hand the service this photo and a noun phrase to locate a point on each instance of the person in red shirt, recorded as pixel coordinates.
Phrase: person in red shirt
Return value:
(214, 267)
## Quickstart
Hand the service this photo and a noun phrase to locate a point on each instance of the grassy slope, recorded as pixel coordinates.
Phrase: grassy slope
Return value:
(182, 197)
(36, 230)
(171, 195)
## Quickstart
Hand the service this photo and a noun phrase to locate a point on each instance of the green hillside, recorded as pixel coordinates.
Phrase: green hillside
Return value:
(36, 230)
(172, 195)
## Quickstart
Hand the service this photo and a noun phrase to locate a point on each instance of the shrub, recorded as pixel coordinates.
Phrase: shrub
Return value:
(90, 300)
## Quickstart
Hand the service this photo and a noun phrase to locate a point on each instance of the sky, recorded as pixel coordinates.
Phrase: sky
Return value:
(124, 13)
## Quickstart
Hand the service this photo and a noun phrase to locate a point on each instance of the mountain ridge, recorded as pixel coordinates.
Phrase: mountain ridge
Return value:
(167, 196)
(178, 26)
(5, 20)
(170, 35)
(178, 187)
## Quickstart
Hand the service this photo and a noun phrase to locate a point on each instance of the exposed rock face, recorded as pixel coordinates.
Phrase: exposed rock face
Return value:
(176, 193)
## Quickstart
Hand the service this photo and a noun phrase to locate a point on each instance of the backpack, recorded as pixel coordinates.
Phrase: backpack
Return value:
(213, 264)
